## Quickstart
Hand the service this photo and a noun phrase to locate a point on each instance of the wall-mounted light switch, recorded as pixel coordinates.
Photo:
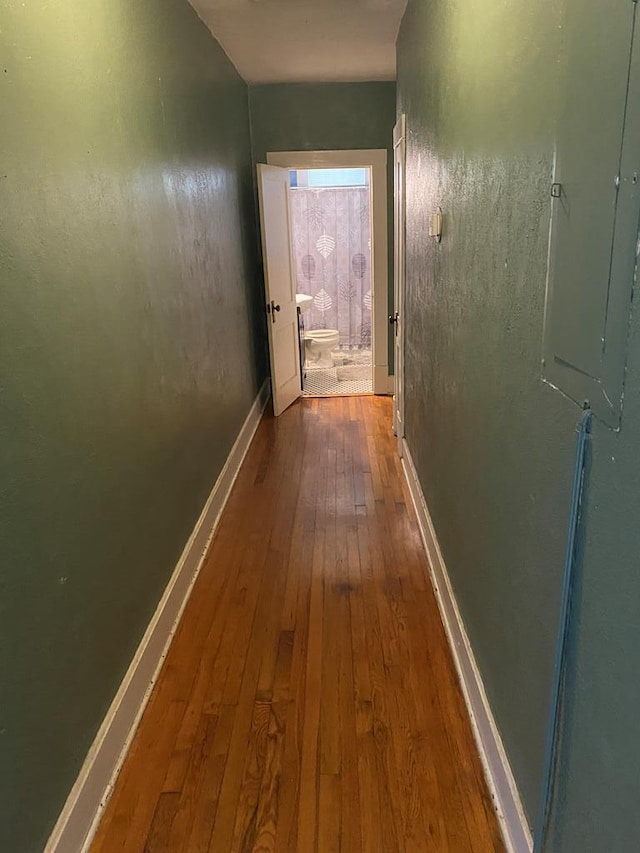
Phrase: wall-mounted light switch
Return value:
(435, 225)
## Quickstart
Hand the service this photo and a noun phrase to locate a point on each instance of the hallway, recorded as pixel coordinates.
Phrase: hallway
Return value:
(309, 701)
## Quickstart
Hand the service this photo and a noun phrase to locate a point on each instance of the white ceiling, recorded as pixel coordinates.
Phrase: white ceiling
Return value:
(277, 41)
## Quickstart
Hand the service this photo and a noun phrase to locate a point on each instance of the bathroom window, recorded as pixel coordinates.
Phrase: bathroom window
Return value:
(329, 178)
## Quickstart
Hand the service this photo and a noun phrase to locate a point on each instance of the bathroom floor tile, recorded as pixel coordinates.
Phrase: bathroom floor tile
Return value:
(351, 374)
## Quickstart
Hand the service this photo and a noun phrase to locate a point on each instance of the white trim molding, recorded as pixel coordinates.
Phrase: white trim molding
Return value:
(383, 383)
(502, 786)
(376, 160)
(86, 802)
(391, 385)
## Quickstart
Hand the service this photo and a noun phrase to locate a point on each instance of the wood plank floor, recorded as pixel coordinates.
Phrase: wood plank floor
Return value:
(309, 701)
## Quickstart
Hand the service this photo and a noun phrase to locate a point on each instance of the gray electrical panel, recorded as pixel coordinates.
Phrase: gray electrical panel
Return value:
(593, 247)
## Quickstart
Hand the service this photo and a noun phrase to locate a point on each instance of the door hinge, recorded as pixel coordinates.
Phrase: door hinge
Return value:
(556, 190)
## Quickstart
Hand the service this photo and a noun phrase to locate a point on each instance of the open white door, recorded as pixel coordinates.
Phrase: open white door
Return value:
(397, 318)
(280, 287)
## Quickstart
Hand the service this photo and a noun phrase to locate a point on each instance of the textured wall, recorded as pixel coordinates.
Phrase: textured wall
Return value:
(127, 282)
(494, 447)
(326, 117)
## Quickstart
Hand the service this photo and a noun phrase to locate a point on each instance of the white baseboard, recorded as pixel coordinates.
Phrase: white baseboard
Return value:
(502, 786)
(85, 804)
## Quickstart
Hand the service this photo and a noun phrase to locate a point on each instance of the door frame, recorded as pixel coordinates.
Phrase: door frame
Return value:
(399, 269)
(376, 160)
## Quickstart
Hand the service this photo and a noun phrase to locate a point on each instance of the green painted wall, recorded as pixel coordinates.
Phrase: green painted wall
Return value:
(493, 445)
(326, 117)
(130, 336)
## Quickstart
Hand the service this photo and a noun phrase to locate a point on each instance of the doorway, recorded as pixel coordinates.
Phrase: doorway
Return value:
(341, 269)
(330, 219)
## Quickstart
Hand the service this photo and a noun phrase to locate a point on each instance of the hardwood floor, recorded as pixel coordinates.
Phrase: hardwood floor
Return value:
(309, 701)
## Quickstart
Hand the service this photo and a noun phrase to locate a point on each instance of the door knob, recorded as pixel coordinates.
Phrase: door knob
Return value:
(273, 308)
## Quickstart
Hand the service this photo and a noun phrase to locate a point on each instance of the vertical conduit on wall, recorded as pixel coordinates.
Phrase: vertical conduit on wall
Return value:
(559, 672)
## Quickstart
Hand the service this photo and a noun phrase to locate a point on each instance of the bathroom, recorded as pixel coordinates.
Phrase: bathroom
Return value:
(330, 226)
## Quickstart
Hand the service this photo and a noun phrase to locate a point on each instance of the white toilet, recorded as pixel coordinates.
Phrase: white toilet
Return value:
(318, 344)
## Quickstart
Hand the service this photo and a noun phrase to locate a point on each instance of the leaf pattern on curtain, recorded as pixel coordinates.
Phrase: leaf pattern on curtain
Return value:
(308, 266)
(315, 215)
(359, 265)
(322, 301)
(325, 244)
(332, 249)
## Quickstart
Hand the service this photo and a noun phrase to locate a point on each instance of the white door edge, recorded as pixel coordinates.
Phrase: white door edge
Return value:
(399, 270)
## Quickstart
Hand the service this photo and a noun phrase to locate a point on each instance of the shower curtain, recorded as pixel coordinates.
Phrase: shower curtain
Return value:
(331, 234)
